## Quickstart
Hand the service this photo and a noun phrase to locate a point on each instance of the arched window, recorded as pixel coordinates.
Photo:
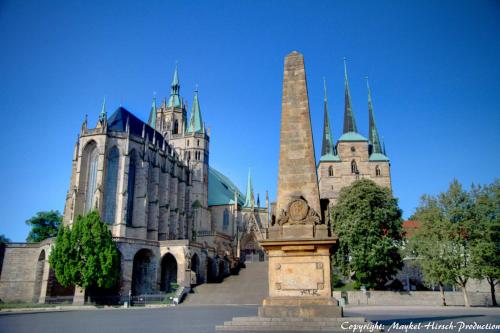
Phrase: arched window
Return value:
(198, 143)
(225, 219)
(330, 171)
(354, 167)
(176, 127)
(131, 188)
(110, 185)
(91, 179)
(377, 171)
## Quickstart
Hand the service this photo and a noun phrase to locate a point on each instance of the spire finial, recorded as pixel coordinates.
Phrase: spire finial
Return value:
(345, 68)
(324, 88)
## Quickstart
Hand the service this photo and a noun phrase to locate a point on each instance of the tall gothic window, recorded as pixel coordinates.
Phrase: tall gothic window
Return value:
(131, 188)
(225, 219)
(91, 179)
(330, 171)
(354, 167)
(176, 127)
(110, 185)
(377, 171)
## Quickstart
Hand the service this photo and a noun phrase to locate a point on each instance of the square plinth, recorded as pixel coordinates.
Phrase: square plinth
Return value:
(299, 267)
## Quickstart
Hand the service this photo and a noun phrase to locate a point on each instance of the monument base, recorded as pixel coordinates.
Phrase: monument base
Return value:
(300, 307)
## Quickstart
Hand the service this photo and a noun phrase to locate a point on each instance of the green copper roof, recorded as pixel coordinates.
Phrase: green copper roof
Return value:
(329, 158)
(352, 136)
(249, 198)
(349, 121)
(327, 146)
(195, 122)
(378, 157)
(221, 189)
(152, 114)
(373, 132)
(174, 100)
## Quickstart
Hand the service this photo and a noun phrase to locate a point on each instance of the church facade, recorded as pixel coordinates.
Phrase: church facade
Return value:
(176, 220)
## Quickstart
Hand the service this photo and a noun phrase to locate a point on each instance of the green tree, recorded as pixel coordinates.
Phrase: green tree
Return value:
(43, 225)
(85, 254)
(367, 221)
(3, 239)
(444, 242)
(485, 254)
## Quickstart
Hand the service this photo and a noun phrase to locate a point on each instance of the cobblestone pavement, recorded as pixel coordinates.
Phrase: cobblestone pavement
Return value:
(201, 319)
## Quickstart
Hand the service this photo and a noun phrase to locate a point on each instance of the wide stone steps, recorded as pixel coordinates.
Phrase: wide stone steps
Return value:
(248, 287)
(290, 324)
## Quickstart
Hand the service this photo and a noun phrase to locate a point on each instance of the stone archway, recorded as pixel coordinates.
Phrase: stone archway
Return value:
(168, 272)
(40, 267)
(211, 270)
(195, 267)
(250, 250)
(143, 273)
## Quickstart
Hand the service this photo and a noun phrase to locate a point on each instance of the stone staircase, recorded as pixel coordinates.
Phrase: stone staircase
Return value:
(248, 287)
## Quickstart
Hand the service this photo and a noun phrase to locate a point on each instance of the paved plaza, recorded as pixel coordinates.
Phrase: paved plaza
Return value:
(202, 319)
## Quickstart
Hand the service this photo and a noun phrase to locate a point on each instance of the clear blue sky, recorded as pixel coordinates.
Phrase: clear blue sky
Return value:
(434, 68)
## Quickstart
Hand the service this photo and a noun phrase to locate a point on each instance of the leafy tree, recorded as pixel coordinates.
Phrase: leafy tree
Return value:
(43, 225)
(367, 221)
(445, 241)
(85, 254)
(486, 247)
(3, 239)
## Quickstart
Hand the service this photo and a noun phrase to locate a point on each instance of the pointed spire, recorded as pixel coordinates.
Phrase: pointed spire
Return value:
(196, 122)
(258, 200)
(152, 114)
(249, 198)
(373, 132)
(103, 115)
(383, 147)
(175, 100)
(349, 121)
(327, 146)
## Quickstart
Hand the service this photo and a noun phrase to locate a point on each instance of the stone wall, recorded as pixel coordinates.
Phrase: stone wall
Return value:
(19, 268)
(428, 298)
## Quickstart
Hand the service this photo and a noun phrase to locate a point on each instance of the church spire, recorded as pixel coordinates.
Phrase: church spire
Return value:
(373, 133)
(249, 198)
(174, 99)
(103, 114)
(349, 121)
(152, 114)
(327, 146)
(196, 122)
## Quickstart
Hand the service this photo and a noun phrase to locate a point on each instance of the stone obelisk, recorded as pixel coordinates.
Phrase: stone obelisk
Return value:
(298, 244)
(297, 164)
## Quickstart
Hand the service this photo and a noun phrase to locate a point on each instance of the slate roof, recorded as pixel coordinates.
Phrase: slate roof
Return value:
(118, 122)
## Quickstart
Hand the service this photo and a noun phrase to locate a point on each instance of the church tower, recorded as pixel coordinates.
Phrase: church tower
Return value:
(171, 116)
(354, 157)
